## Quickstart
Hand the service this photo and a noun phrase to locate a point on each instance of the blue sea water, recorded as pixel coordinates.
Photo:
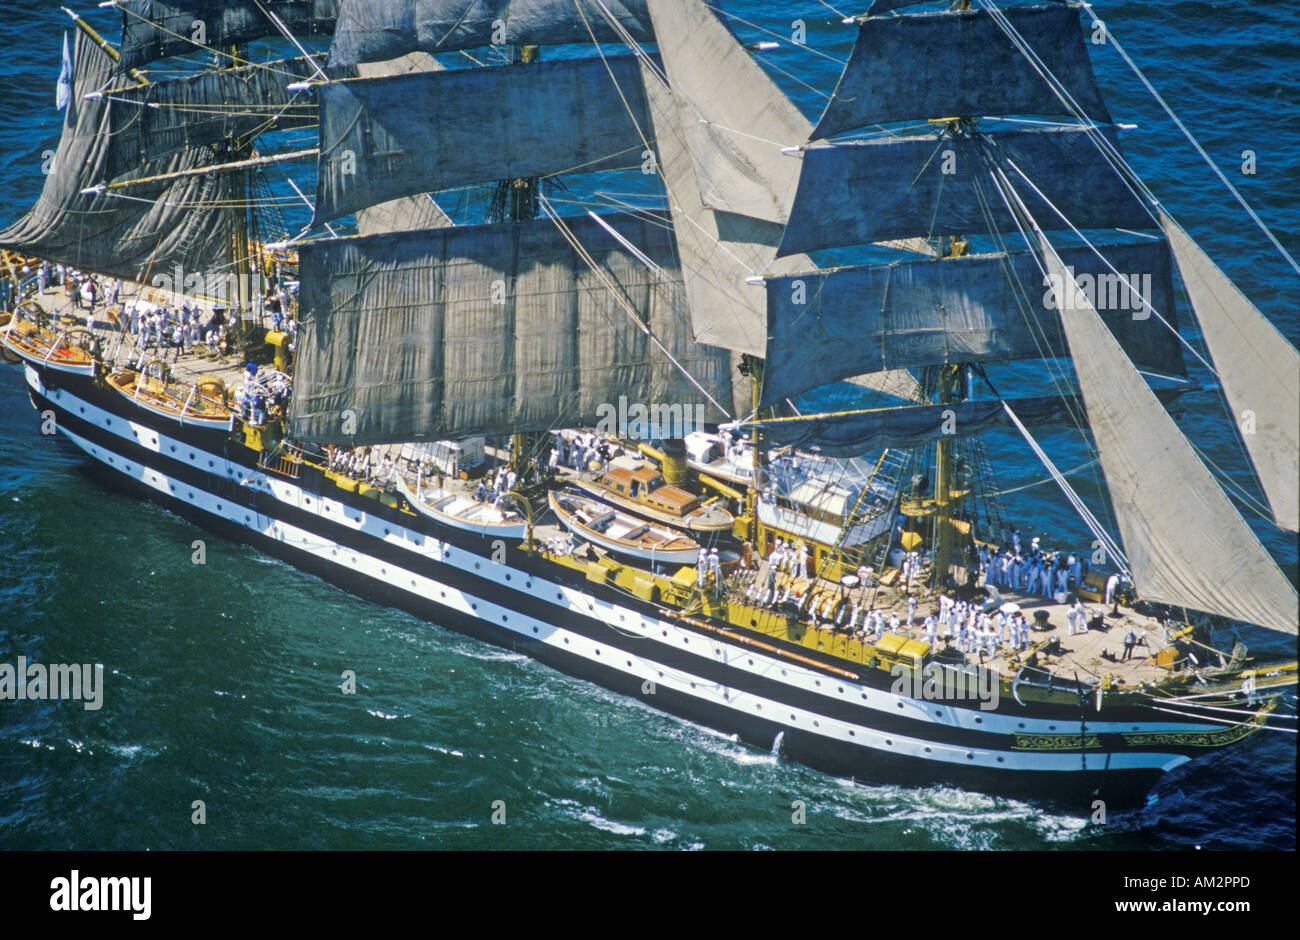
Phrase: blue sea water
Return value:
(222, 681)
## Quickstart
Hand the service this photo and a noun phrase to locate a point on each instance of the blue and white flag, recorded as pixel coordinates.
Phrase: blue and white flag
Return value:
(64, 94)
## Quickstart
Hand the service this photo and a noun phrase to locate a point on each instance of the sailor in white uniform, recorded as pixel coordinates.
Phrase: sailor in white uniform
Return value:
(1111, 584)
(930, 626)
(702, 567)
(911, 608)
(801, 559)
(715, 567)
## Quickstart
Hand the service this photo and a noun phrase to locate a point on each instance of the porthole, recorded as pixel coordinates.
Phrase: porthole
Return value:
(840, 689)
(566, 641)
(979, 721)
(1051, 727)
(888, 743)
(1001, 760)
(970, 756)
(507, 577)
(504, 619)
(927, 750)
(852, 733)
(900, 704)
(1022, 724)
(534, 629)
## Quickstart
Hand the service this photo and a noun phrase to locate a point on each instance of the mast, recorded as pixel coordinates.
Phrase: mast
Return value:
(944, 493)
(242, 326)
(104, 44)
(519, 201)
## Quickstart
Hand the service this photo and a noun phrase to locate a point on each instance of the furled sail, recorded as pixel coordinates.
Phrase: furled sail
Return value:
(1258, 368)
(828, 325)
(912, 426)
(162, 225)
(155, 29)
(165, 118)
(931, 65)
(734, 137)
(493, 329)
(1185, 542)
(399, 135)
(371, 30)
(899, 187)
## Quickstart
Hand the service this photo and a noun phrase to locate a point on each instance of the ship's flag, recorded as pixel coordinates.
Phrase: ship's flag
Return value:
(64, 93)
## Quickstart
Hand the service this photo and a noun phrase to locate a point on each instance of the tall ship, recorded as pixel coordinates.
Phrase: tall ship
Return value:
(570, 416)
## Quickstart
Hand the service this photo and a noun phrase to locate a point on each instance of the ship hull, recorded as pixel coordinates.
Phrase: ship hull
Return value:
(854, 727)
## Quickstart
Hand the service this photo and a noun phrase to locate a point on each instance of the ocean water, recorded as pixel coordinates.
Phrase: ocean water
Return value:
(222, 681)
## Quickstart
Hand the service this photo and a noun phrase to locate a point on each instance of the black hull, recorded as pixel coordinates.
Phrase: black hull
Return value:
(1073, 789)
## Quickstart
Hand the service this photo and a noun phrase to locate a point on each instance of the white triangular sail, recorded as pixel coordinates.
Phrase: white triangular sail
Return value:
(1186, 543)
(735, 118)
(1258, 368)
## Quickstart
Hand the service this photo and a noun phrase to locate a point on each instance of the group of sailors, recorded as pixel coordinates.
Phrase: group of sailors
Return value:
(789, 557)
(1034, 572)
(708, 568)
(580, 451)
(493, 487)
(973, 630)
(258, 399)
(560, 546)
(363, 464)
(1040, 572)
(160, 328)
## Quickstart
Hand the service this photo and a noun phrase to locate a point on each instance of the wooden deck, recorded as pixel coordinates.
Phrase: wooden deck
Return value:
(117, 345)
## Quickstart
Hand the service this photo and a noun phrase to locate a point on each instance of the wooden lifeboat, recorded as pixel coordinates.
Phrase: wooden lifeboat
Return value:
(203, 405)
(63, 350)
(620, 532)
(469, 515)
(644, 492)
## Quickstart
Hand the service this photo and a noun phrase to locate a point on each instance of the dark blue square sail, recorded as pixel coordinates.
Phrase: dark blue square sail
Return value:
(964, 64)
